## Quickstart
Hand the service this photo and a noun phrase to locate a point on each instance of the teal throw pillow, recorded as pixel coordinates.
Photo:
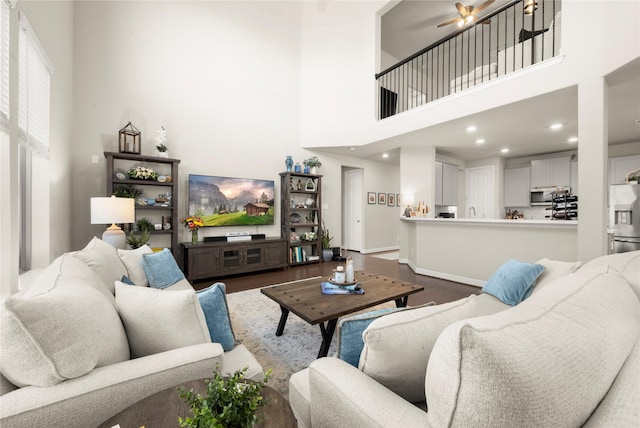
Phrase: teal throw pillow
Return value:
(350, 331)
(513, 282)
(214, 305)
(161, 269)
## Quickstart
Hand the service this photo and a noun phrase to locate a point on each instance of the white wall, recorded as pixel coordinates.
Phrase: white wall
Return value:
(221, 77)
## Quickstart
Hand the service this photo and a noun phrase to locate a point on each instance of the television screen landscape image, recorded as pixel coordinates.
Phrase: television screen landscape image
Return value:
(229, 201)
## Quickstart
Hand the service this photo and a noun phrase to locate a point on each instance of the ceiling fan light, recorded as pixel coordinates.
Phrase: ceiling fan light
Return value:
(461, 23)
(469, 19)
(530, 6)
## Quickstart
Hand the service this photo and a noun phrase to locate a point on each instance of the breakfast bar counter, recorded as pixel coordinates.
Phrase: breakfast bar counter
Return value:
(470, 250)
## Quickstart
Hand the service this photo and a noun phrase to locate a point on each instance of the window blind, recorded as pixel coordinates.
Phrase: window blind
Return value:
(4, 66)
(33, 92)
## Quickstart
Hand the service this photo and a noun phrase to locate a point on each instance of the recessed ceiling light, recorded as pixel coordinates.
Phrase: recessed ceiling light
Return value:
(573, 140)
(353, 149)
(556, 126)
(480, 141)
(505, 150)
(471, 128)
(385, 155)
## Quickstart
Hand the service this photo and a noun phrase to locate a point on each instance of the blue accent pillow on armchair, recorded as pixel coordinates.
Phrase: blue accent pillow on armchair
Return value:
(350, 331)
(513, 282)
(214, 305)
(161, 269)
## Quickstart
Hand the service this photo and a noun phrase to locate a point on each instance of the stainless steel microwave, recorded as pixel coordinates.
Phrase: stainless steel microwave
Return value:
(540, 196)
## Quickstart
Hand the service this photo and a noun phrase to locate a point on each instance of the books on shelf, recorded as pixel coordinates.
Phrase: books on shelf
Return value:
(329, 288)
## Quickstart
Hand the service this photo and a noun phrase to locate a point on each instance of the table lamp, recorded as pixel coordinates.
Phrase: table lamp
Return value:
(105, 210)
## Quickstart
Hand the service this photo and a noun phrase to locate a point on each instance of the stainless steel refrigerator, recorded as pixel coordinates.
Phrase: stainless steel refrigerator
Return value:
(624, 216)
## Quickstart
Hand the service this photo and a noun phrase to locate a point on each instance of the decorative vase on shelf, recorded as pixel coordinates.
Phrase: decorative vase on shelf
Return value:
(306, 169)
(194, 236)
(314, 170)
(289, 163)
(297, 168)
(163, 154)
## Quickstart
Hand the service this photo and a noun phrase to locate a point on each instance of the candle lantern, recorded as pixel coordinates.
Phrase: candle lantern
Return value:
(129, 141)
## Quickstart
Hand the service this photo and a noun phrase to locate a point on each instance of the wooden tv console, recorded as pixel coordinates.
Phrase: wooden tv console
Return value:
(206, 260)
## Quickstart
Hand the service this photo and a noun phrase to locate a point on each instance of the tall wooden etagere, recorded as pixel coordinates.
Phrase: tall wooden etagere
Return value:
(118, 165)
(301, 216)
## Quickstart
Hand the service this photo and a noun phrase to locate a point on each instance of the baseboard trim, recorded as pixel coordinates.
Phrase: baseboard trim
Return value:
(380, 250)
(443, 275)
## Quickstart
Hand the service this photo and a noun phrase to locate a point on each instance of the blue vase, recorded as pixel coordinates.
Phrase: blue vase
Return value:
(289, 163)
(297, 168)
(306, 169)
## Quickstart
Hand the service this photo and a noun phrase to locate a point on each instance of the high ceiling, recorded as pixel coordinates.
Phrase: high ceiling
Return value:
(523, 127)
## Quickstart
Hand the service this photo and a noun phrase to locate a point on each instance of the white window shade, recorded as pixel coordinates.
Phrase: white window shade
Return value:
(4, 65)
(34, 91)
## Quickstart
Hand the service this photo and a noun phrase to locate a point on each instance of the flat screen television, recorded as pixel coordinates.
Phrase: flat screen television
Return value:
(228, 201)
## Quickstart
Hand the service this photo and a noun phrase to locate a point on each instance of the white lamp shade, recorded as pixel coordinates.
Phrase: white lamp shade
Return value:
(111, 210)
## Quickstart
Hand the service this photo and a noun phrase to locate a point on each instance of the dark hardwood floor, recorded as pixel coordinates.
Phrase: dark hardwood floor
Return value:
(437, 290)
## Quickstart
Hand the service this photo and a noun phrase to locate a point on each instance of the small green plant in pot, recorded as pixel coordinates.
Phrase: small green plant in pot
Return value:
(144, 225)
(327, 252)
(137, 240)
(229, 402)
(126, 191)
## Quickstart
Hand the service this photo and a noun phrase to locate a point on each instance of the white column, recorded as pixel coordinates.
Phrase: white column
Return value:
(592, 168)
(417, 175)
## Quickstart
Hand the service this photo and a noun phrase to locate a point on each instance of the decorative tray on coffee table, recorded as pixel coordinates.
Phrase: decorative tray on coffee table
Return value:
(343, 284)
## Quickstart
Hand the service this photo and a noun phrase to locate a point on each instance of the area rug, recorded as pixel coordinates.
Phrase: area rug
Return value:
(388, 256)
(255, 317)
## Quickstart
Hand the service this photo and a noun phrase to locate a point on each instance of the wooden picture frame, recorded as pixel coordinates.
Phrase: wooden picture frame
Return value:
(398, 200)
(382, 199)
(371, 198)
(391, 199)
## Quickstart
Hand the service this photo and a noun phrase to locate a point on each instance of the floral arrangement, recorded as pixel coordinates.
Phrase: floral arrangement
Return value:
(193, 222)
(228, 402)
(161, 138)
(312, 161)
(309, 236)
(142, 173)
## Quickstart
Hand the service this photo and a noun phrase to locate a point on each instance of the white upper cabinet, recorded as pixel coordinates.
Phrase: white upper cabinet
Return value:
(620, 166)
(517, 184)
(446, 184)
(551, 172)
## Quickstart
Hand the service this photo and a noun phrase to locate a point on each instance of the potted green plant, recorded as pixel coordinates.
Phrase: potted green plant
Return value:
(313, 163)
(327, 252)
(126, 191)
(144, 225)
(137, 240)
(229, 402)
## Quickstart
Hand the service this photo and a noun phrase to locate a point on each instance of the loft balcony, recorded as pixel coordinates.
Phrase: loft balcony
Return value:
(516, 36)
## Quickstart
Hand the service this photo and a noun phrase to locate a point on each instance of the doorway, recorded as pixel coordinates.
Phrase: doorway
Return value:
(480, 192)
(352, 214)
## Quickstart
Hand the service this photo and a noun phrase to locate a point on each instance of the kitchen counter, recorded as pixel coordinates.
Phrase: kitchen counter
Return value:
(499, 221)
(470, 250)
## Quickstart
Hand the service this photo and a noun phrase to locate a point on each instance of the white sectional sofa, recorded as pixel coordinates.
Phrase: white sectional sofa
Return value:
(567, 356)
(74, 353)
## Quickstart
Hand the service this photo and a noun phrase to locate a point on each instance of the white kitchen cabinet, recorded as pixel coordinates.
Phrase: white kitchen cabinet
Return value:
(550, 172)
(620, 166)
(446, 184)
(517, 184)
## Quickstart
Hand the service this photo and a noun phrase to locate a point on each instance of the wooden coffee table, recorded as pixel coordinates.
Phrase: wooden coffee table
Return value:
(163, 408)
(305, 299)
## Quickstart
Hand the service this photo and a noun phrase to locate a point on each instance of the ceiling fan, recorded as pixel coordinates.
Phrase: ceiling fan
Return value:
(467, 14)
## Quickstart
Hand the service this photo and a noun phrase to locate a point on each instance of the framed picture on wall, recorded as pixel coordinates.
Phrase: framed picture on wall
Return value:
(398, 200)
(391, 199)
(371, 197)
(382, 199)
